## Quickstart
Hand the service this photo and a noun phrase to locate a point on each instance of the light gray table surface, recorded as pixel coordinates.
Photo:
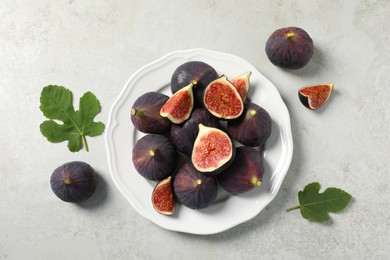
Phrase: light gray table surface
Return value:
(97, 45)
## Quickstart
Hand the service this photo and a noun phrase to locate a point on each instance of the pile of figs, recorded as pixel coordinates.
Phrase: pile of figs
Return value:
(205, 136)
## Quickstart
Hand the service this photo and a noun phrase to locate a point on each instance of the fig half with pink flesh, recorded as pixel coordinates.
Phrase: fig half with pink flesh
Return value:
(213, 150)
(241, 83)
(222, 99)
(179, 106)
(163, 198)
(315, 96)
(244, 173)
(194, 189)
(253, 128)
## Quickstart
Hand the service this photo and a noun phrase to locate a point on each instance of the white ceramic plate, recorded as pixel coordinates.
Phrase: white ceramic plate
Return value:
(228, 211)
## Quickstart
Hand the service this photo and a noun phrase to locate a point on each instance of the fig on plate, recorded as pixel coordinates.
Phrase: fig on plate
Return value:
(163, 199)
(154, 157)
(213, 150)
(179, 106)
(290, 48)
(253, 128)
(242, 84)
(194, 189)
(245, 172)
(315, 96)
(145, 113)
(183, 136)
(197, 72)
(74, 181)
(222, 99)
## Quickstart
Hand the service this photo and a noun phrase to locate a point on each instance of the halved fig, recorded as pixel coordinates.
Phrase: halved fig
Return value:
(194, 189)
(253, 128)
(183, 136)
(145, 113)
(163, 198)
(222, 99)
(241, 83)
(245, 172)
(179, 106)
(213, 150)
(315, 96)
(154, 157)
(198, 71)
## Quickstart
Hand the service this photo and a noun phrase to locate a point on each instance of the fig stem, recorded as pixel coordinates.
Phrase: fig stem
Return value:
(293, 208)
(290, 35)
(67, 181)
(194, 82)
(85, 145)
(151, 153)
(255, 181)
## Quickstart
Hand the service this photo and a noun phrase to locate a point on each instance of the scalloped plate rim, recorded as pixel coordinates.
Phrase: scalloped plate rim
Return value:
(113, 124)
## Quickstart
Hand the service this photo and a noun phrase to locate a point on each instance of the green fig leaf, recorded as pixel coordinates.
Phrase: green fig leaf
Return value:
(57, 105)
(315, 206)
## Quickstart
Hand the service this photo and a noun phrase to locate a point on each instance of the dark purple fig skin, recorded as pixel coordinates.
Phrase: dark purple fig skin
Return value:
(183, 136)
(74, 181)
(245, 173)
(292, 52)
(145, 113)
(189, 192)
(202, 72)
(251, 130)
(159, 165)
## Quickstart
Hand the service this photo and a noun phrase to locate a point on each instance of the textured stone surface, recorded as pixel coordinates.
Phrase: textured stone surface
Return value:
(97, 45)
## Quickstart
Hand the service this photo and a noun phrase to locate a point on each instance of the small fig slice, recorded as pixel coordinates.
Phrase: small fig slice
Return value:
(245, 172)
(194, 189)
(315, 96)
(183, 136)
(213, 150)
(145, 113)
(253, 128)
(241, 83)
(191, 71)
(163, 199)
(222, 99)
(154, 157)
(73, 181)
(179, 106)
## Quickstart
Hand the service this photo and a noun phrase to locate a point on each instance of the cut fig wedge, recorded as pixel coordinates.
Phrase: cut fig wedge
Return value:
(241, 83)
(315, 96)
(163, 198)
(213, 150)
(179, 106)
(222, 99)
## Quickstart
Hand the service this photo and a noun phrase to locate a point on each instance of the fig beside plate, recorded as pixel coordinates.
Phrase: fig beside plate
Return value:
(74, 181)
(290, 48)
